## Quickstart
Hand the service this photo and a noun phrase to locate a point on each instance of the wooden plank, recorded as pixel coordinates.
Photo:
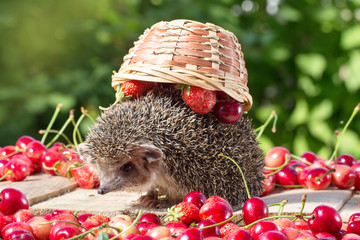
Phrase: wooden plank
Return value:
(89, 201)
(41, 186)
(350, 207)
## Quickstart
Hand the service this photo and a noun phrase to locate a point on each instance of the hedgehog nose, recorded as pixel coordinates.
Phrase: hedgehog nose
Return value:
(101, 190)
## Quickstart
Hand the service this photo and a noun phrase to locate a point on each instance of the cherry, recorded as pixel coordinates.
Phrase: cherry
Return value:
(196, 198)
(150, 218)
(11, 227)
(50, 160)
(309, 157)
(268, 183)
(174, 225)
(325, 236)
(3, 162)
(355, 167)
(12, 200)
(344, 176)
(190, 234)
(23, 215)
(354, 227)
(290, 233)
(238, 234)
(8, 152)
(65, 233)
(33, 167)
(301, 225)
(272, 235)
(23, 141)
(159, 232)
(35, 150)
(16, 170)
(208, 232)
(350, 236)
(40, 231)
(354, 217)
(325, 219)
(261, 227)
(254, 209)
(287, 176)
(61, 212)
(276, 157)
(85, 176)
(346, 159)
(297, 165)
(318, 178)
(144, 227)
(217, 199)
(283, 223)
(215, 211)
(20, 234)
(228, 112)
(83, 217)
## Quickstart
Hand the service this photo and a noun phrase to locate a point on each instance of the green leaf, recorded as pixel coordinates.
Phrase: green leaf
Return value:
(103, 236)
(308, 86)
(350, 38)
(312, 64)
(289, 13)
(322, 111)
(350, 143)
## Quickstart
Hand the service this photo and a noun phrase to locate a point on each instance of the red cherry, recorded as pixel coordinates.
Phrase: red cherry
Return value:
(144, 227)
(268, 183)
(208, 232)
(65, 233)
(344, 176)
(276, 157)
(8, 152)
(49, 160)
(228, 112)
(85, 176)
(309, 157)
(254, 209)
(301, 225)
(3, 162)
(190, 234)
(12, 200)
(346, 159)
(355, 167)
(150, 218)
(318, 178)
(217, 199)
(20, 234)
(216, 211)
(354, 227)
(23, 141)
(16, 170)
(35, 150)
(196, 198)
(239, 234)
(325, 219)
(11, 227)
(272, 235)
(354, 217)
(83, 217)
(261, 227)
(287, 176)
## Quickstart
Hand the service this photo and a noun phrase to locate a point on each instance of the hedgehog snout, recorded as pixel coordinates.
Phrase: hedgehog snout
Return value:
(101, 190)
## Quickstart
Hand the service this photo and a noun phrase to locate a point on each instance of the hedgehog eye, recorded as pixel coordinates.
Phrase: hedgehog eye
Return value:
(128, 167)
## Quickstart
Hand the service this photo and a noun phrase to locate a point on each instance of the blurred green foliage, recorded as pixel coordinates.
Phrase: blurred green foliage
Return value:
(303, 60)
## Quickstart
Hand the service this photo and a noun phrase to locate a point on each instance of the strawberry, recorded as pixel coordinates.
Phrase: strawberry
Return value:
(85, 176)
(200, 100)
(185, 212)
(228, 228)
(134, 88)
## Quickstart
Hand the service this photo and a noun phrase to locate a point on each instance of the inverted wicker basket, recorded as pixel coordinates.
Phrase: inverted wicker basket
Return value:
(188, 52)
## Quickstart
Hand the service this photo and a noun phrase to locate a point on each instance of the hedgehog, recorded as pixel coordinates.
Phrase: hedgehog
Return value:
(157, 144)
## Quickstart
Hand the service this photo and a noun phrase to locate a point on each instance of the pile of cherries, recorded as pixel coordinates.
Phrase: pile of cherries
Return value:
(29, 156)
(309, 171)
(199, 218)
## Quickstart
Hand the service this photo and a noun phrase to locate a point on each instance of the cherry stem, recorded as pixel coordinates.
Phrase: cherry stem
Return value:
(76, 128)
(339, 138)
(73, 223)
(8, 173)
(281, 208)
(128, 228)
(277, 169)
(300, 159)
(56, 132)
(262, 127)
(241, 172)
(71, 116)
(325, 174)
(17, 150)
(218, 224)
(53, 118)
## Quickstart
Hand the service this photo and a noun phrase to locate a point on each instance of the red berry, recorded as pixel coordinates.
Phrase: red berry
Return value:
(228, 112)
(276, 157)
(254, 209)
(35, 151)
(325, 219)
(136, 88)
(196, 198)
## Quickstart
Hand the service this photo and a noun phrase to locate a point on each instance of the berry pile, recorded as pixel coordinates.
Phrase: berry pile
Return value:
(30, 156)
(200, 100)
(195, 218)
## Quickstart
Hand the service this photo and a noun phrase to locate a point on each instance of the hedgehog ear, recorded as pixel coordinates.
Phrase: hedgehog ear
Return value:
(151, 153)
(83, 150)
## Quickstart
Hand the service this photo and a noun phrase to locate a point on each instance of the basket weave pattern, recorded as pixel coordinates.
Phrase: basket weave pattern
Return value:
(191, 53)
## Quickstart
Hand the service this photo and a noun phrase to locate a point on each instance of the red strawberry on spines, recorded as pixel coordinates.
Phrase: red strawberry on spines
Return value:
(135, 88)
(185, 212)
(200, 100)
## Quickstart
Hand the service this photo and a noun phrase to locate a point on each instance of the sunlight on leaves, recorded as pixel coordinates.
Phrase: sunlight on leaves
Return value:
(312, 64)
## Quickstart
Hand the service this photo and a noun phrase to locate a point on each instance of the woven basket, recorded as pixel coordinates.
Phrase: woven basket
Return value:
(188, 52)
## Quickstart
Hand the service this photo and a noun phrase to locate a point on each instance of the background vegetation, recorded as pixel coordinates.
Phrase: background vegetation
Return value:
(303, 59)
